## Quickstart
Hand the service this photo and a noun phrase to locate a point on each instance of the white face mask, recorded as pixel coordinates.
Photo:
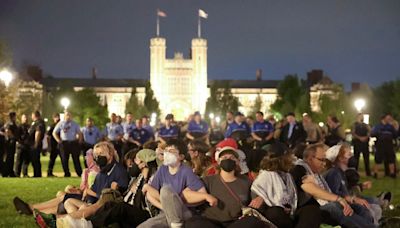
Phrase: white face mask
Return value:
(170, 159)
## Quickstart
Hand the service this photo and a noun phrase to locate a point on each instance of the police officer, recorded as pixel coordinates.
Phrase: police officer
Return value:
(11, 136)
(68, 135)
(36, 135)
(168, 131)
(114, 133)
(238, 130)
(385, 133)
(139, 135)
(361, 132)
(22, 157)
(197, 128)
(262, 131)
(91, 135)
(128, 127)
(146, 125)
(53, 145)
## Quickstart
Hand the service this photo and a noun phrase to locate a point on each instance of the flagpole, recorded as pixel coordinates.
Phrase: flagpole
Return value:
(199, 27)
(158, 25)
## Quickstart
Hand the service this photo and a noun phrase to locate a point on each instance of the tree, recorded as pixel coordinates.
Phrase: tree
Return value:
(257, 106)
(386, 99)
(293, 96)
(134, 106)
(150, 102)
(221, 100)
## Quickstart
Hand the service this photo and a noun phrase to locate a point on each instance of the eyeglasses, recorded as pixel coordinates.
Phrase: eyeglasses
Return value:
(320, 159)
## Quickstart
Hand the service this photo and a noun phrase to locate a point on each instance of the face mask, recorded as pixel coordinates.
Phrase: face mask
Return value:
(170, 159)
(227, 165)
(101, 161)
(134, 171)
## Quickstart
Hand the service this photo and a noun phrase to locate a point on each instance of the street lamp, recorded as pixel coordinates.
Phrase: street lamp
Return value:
(211, 116)
(6, 76)
(65, 102)
(359, 104)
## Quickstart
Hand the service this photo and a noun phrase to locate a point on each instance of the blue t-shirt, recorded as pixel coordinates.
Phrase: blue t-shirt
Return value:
(117, 174)
(140, 135)
(171, 132)
(262, 127)
(91, 134)
(384, 132)
(201, 127)
(337, 182)
(67, 130)
(149, 129)
(113, 130)
(184, 178)
(235, 127)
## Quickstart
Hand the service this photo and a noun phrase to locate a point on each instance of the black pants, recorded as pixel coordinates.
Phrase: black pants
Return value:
(54, 152)
(35, 158)
(122, 213)
(202, 222)
(10, 146)
(309, 216)
(85, 147)
(70, 148)
(22, 160)
(362, 147)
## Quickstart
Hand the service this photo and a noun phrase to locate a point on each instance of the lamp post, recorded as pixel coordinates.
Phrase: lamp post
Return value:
(6, 76)
(359, 104)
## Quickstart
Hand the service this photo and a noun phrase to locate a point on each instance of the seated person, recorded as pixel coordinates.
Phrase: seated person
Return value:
(200, 162)
(239, 130)
(51, 206)
(337, 161)
(169, 130)
(165, 190)
(275, 186)
(112, 175)
(228, 192)
(139, 135)
(262, 131)
(197, 128)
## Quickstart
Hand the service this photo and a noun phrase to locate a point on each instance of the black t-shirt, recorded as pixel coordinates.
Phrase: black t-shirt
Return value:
(53, 142)
(37, 125)
(13, 129)
(23, 134)
(298, 172)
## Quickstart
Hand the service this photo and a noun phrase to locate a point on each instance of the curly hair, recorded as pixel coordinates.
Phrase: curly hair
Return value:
(282, 163)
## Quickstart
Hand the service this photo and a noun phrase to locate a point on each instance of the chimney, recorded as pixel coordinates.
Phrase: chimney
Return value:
(258, 74)
(94, 73)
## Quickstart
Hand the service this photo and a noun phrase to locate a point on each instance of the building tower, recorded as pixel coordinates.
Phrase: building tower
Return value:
(199, 59)
(157, 61)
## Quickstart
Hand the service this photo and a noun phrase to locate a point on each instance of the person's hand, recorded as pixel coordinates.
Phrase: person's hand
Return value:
(347, 210)
(367, 185)
(114, 185)
(309, 179)
(211, 200)
(145, 188)
(362, 202)
(256, 202)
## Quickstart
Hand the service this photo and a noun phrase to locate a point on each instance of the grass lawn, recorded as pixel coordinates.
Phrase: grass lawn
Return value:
(35, 190)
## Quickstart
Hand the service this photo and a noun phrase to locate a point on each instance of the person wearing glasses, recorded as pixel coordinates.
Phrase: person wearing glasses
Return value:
(91, 135)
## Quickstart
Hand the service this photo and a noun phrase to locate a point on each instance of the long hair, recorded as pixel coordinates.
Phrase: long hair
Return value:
(282, 163)
(108, 147)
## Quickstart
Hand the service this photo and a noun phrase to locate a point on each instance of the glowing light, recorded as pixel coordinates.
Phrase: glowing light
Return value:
(65, 102)
(359, 104)
(6, 76)
(218, 119)
(211, 116)
(321, 124)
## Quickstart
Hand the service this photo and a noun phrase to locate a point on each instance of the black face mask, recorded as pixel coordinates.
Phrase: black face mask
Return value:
(134, 170)
(228, 165)
(101, 161)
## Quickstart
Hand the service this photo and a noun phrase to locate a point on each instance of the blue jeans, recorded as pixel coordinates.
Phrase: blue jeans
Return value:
(360, 218)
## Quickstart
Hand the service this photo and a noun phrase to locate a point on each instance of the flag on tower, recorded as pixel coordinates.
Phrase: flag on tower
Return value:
(161, 13)
(203, 14)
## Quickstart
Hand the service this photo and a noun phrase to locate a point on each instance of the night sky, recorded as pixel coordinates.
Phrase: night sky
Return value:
(350, 40)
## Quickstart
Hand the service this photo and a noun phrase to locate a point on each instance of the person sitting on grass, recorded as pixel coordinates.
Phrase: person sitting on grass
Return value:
(200, 162)
(51, 206)
(165, 190)
(112, 175)
(275, 186)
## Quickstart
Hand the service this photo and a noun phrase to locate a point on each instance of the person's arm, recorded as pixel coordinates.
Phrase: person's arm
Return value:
(56, 131)
(255, 137)
(193, 197)
(152, 195)
(79, 134)
(189, 136)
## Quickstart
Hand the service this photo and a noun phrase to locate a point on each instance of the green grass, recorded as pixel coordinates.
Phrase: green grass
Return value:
(34, 190)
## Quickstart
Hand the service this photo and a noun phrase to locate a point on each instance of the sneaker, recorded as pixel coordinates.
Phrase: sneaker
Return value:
(22, 207)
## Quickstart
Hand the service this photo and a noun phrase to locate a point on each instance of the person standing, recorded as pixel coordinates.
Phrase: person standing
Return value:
(22, 156)
(335, 132)
(114, 133)
(128, 127)
(314, 133)
(361, 133)
(36, 135)
(11, 134)
(91, 135)
(293, 132)
(67, 133)
(53, 145)
(385, 133)
(262, 131)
